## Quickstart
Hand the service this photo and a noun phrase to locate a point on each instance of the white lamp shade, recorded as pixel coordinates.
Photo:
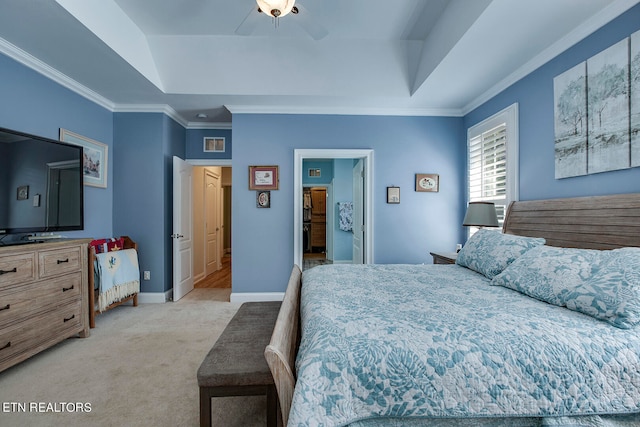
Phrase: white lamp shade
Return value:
(284, 6)
(481, 214)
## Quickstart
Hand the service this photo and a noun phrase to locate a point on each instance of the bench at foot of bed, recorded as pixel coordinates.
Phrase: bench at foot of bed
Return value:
(236, 366)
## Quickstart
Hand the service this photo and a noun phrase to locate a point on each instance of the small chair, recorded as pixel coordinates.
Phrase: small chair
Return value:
(102, 246)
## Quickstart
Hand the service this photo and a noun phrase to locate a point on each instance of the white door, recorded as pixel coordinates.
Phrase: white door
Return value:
(358, 213)
(212, 223)
(182, 228)
(220, 226)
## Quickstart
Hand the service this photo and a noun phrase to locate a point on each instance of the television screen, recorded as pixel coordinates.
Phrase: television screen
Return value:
(41, 184)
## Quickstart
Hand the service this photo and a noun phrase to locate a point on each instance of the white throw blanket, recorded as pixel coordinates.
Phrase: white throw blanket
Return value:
(118, 276)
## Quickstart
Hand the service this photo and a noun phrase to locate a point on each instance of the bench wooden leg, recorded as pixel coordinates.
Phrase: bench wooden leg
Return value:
(205, 407)
(272, 406)
(207, 393)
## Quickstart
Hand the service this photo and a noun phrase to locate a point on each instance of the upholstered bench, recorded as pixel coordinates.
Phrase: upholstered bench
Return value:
(236, 366)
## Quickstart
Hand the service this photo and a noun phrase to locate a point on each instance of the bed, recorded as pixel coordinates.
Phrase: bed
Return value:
(534, 326)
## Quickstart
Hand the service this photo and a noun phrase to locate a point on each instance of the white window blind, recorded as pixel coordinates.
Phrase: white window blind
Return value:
(488, 168)
(493, 161)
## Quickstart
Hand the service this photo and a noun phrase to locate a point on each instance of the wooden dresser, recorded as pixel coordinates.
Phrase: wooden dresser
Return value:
(43, 297)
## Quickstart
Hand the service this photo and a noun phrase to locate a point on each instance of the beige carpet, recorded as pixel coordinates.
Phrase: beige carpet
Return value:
(138, 368)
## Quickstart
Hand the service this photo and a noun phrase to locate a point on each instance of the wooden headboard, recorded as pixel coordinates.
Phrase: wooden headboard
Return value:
(597, 222)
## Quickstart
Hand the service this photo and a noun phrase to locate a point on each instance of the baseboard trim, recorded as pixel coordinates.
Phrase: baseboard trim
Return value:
(199, 277)
(256, 296)
(154, 297)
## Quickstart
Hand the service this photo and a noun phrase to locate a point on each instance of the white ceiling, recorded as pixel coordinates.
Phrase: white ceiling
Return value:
(406, 57)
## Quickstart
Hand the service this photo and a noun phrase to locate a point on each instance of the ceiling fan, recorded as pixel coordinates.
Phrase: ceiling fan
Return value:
(276, 10)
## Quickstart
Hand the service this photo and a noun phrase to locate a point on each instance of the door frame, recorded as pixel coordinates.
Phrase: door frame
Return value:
(212, 162)
(302, 154)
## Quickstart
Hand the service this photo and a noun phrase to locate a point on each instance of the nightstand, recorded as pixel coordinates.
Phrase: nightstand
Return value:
(444, 257)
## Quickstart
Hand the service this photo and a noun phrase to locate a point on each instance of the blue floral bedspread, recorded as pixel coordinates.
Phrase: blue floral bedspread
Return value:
(439, 341)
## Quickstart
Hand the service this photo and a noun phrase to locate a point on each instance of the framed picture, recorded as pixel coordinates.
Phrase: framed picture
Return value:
(427, 182)
(96, 159)
(214, 145)
(263, 177)
(23, 192)
(263, 199)
(393, 194)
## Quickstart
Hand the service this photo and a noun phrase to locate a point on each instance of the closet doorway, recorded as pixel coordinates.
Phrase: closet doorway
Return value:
(336, 206)
(318, 224)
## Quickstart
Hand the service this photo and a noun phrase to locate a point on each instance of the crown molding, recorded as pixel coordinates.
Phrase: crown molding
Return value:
(209, 125)
(30, 61)
(599, 20)
(151, 108)
(344, 111)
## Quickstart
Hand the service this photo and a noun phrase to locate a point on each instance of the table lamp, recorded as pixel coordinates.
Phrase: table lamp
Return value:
(481, 214)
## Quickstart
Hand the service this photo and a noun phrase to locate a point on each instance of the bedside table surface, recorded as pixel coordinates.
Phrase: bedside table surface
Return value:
(444, 257)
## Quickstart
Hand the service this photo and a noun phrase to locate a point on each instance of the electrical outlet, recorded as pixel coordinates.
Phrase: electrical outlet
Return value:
(147, 275)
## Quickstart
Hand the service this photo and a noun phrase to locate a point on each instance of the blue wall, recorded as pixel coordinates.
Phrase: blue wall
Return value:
(34, 104)
(404, 233)
(534, 95)
(141, 190)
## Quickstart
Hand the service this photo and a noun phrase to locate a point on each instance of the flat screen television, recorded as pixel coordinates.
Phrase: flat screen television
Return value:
(41, 185)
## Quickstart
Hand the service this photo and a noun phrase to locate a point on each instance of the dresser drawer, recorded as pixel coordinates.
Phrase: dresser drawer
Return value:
(59, 261)
(22, 340)
(16, 269)
(20, 302)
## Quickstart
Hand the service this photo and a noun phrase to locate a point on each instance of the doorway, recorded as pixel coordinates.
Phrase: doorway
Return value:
(317, 225)
(212, 227)
(353, 157)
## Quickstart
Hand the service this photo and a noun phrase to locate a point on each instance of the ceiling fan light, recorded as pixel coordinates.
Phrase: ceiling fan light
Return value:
(276, 8)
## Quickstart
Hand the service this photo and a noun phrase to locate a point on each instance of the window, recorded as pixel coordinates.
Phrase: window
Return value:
(493, 161)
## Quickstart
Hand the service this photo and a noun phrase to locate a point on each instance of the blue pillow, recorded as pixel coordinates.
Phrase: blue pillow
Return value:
(489, 251)
(601, 284)
(613, 293)
(549, 273)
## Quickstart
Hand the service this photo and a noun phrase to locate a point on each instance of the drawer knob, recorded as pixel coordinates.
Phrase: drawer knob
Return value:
(72, 317)
(15, 270)
(60, 261)
(7, 345)
(6, 307)
(67, 289)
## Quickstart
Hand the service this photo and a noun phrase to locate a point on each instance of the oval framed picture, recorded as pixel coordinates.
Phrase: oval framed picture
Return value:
(263, 199)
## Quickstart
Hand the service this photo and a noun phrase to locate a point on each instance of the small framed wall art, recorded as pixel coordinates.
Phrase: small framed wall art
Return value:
(263, 199)
(263, 178)
(427, 182)
(96, 155)
(23, 192)
(393, 195)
